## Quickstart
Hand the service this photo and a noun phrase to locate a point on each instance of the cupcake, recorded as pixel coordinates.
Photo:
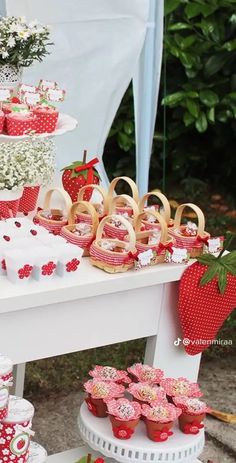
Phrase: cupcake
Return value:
(124, 416)
(180, 387)
(145, 393)
(107, 373)
(193, 413)
(99, 392)
(2, 118)
(19, 123)
(46, 118)
(145, 373)
(159, 418)
(14, 107)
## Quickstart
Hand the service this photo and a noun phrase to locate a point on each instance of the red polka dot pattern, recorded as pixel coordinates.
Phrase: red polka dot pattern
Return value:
(9, 209)
(203, 309)
(29, 199)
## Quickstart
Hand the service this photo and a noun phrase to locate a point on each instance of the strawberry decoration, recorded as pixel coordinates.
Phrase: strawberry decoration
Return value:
(78, 174)
(207, 296)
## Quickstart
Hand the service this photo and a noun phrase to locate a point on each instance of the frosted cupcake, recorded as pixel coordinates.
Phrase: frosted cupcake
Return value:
(159, 418)
(145, 373)
(124, 416)
(193, 413)
(19, 123)
(99, 392)
(107, 373)
(47, 117)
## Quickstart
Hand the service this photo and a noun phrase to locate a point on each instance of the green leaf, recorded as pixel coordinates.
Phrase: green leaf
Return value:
(215, 63)
(208, 98)
(128, 127)
(222, 279)
(201, 123)
(230, 46)
(193, 107)
(188, 119)
(210, 273)
(194, 9)
(170, 5)
(178, 26)
(206, 259)
(211, 115)
(173, 99)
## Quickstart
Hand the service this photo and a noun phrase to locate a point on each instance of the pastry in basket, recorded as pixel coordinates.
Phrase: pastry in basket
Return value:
(53, 219)
(122, 206)
(46, 118)
(100, 207)
(110, 254)
(115, 228)
(191, 236)
(149, 221)
(81, 234)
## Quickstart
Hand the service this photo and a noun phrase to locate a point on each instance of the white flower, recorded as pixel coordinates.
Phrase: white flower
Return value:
(12, 457)
(33, 24)
(2, 441)
(16, 28)
(5, 452)
(9, 431)
(4, 53)
(11, 41)
(24, 34)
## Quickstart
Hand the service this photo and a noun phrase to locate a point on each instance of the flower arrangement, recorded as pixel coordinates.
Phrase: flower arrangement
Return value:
(22, 43)
(123, 409)
(180, 387)
(145, 392)
(30, 162)
(146, 373)
(191, 406)
(107, 373)
(161, 411)
(103, 389)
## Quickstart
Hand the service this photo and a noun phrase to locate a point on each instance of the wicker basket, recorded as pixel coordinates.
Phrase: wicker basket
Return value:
(122, 207)
(113, 261)
(84, 216)
(142, 237)
(54, 226)
(166, 214)
(194, 244)
(111, 230)
(85, 241)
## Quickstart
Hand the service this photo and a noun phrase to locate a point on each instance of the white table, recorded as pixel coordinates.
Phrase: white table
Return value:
(95, 309)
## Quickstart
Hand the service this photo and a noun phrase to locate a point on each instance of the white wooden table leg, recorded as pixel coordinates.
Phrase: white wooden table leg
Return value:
(161, 350)
(19, 379)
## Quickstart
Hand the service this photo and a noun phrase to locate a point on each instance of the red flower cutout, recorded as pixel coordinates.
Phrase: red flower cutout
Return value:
(25, 271)
(193, 428)
(48, 268)
(99, 460)
(72, 265)
(122, 432)
(91, 407)
(3, 264)
(163, 435)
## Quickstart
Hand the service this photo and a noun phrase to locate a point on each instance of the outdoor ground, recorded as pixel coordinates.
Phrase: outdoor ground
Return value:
(58, 396)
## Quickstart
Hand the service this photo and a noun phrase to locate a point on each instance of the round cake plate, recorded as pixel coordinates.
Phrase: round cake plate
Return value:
(97, 433)
(65, 124)
(37, 454)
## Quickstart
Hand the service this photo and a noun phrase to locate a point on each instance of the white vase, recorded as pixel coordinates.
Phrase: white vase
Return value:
(10, 76)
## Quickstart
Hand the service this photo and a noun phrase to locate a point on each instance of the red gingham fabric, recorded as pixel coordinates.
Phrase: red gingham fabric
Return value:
(85, 218)
(188, 242)
(113, 232)
(9, 209)
(29, 199)
(122, 210)
(54, 228)
(151, 226)
(102, 255)
(83, 242)
(45, 122)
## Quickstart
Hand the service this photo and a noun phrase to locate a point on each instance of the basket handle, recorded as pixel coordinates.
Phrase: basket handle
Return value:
(125, 222)
(127, 199)
(163, 199)
(197, 210)
(97, 188)
(161, 220)
(63, 193)
(84, 206)
(130, 182)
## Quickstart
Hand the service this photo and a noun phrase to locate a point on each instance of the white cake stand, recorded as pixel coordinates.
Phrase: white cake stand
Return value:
(97, 433)
(37, 454)
(65, 124)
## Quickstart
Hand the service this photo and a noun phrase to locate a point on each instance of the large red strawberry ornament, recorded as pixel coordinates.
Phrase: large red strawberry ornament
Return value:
(78, 174)
(207, 296)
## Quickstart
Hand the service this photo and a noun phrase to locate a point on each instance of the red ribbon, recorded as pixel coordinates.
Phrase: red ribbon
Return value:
(89, 166)
(164, 247)
(203, 239)
(130, 256)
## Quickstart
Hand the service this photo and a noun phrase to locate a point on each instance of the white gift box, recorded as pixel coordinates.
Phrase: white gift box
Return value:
(19, 265)
(69, 258)
(45, 263)
(49, 239)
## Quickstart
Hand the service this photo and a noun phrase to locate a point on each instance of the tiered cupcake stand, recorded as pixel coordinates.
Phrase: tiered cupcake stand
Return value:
(97, 433)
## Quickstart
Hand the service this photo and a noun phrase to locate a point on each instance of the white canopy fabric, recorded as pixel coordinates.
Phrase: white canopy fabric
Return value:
(100, 45)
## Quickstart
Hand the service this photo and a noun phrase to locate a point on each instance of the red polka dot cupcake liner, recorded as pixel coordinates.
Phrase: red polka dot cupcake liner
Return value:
(45, 122)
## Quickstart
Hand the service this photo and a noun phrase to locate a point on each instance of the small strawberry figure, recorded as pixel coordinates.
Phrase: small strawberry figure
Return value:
(207, 296)
(78, 174)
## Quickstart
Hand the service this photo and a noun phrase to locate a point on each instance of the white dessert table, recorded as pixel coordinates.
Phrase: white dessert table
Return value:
(93, 309)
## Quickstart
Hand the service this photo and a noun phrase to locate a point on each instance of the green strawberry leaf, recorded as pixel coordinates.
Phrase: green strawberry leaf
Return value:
(222, 279)
(206, 259)
(210, 273)
(230, 268)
